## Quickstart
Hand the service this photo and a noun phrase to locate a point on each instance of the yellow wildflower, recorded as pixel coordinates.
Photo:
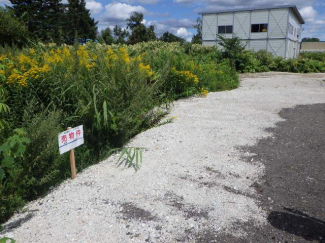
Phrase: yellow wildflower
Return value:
(66, 52)
(46, 68)
(204, 92)
(18, 78)
(111, 55)
(146, 69)
(32, 51)
(124, 55)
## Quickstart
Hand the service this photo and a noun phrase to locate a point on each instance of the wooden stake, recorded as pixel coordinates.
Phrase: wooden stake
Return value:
(72, 162)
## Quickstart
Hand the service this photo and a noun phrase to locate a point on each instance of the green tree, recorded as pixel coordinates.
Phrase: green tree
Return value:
(79, 22)
(139, 32)
(310, 39)
(12, 30)
(232, 49)
(151, 35)
(29, 12)
(120, 35)
(106, 36)
(169, 37)
(52, 21)
(43, 18)
(197, 39)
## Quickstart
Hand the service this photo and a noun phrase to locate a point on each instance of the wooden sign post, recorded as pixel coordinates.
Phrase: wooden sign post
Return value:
(72, 162)
(68, 140)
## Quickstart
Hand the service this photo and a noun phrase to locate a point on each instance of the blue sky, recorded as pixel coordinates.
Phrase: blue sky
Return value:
(179, 16)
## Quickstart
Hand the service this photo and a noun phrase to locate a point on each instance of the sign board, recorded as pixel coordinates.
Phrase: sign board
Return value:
(71, 139)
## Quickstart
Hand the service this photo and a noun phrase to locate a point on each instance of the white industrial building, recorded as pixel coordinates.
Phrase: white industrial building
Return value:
(275, 29)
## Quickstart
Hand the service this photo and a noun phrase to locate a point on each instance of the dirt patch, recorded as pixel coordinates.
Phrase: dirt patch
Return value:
(233, 190)
(201, 181)
(214, 172)
(293, 188)
(131, 211)
(189, 210)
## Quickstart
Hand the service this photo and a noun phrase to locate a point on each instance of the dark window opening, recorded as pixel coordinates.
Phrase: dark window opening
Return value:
(226, 29)
(257, 28)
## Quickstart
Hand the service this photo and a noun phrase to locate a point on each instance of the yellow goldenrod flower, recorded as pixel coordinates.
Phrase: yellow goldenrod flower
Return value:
(146, 69)
(32, 51)
(204, 92)
(124, 55)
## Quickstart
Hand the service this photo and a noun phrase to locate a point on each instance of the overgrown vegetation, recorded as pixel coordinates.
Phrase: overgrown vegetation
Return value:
(111, 90)
(262, 61)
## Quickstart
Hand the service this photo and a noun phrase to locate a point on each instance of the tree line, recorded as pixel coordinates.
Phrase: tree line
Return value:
(51, 21)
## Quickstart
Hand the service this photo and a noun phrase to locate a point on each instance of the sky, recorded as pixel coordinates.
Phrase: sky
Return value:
(179, 16)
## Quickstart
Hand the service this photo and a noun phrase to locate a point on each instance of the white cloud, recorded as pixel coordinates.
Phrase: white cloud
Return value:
(176, 26)
(184, 33)
(142, 1)
(121, 11)
(320, 22)
(212, 5)
(308, 13)
(94, 7)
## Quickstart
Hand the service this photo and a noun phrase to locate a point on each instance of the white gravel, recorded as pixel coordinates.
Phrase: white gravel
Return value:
(192, 179)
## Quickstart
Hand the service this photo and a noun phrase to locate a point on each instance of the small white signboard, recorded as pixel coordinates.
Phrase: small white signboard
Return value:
(71, 139)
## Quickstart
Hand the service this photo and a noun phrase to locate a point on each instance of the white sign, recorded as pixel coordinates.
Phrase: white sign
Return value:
(71, 139)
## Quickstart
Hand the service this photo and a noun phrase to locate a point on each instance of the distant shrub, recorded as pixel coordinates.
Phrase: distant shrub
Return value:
(12, 31)
(319, 56)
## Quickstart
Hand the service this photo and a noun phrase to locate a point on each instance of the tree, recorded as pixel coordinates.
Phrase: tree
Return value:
(310, 39)
(106, 36)
(29, 12)
(120, 35)
(140, 33)
(232, 50)
(12, 30)
(79, 22)
(169, 37)
(52, 21)
(197, 39)
(151, 35)
(43, 18)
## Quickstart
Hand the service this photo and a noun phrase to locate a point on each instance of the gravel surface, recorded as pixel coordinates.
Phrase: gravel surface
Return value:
(198, 179)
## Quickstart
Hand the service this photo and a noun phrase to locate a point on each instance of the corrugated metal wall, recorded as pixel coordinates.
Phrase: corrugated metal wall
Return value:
(242, 24)
(209, 27)
(277, 47)
(257, 45)
(278, 20)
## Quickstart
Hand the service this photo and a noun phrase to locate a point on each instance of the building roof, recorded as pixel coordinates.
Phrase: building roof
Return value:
(293, 7)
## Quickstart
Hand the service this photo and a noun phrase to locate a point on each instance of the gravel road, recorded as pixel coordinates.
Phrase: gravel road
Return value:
(199, 181)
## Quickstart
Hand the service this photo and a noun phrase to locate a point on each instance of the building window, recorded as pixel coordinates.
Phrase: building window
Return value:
(256, 28)
(225, 29)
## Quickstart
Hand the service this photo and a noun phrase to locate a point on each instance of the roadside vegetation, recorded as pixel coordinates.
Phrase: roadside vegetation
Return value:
(111, 89)
(246, 61)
